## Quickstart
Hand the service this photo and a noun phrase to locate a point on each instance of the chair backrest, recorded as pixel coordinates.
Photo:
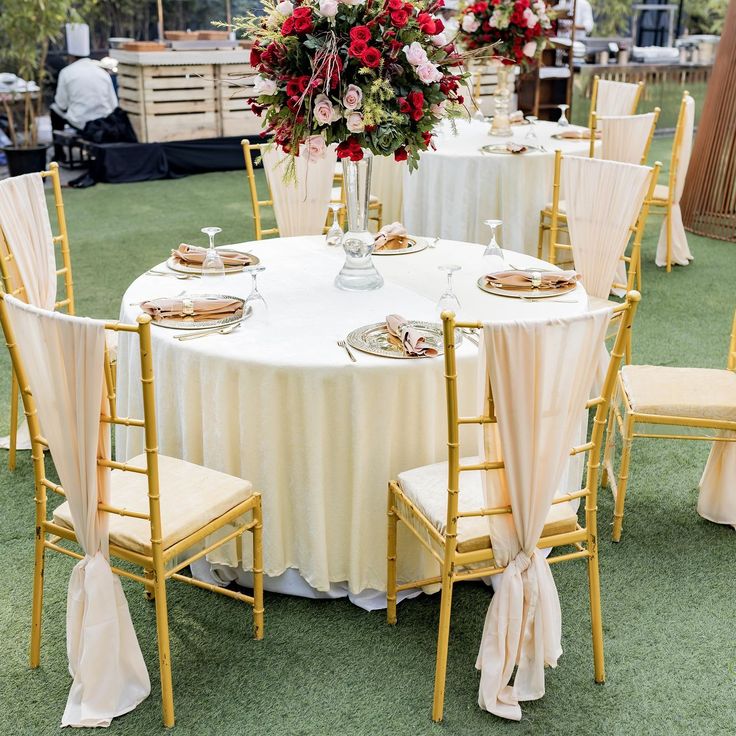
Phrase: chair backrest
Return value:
(614, 98)
(249, 150)
(682, 146)
(592, 447)
(605, 202)
(12, 281)
(148, 423)
(626, 138)
(732, 346)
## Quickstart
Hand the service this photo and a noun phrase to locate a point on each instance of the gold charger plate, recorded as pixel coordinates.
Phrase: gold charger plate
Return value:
(500, 148)
(206, 324)
(584, 136)
(376, 339)
(530, 293)
(416, 245)
(173, 265)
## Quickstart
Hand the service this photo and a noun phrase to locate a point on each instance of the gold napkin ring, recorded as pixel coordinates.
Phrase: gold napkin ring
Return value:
(536, 279)
(187, 307)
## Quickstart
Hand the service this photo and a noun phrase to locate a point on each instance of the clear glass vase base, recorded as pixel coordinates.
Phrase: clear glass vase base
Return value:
(358, 272)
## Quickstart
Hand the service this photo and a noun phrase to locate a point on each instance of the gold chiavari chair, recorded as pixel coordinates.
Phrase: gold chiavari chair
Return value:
(159, 510)
(248, 151)
(13, 284)
(664, 195)
(594, 119)
(633, 260)
(666, 396)
(625, 89)
(461, 556)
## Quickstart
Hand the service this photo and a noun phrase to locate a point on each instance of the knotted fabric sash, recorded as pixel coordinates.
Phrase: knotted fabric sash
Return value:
(541, 374)
(63, 357)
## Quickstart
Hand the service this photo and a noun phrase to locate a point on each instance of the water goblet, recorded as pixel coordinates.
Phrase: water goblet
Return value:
(213, 267)
(255, 299)
(335, 233)
(563, 122)
(493, 248)
(448, 301)
(531, 133)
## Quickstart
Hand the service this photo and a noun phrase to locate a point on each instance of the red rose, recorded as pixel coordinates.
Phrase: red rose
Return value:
(350, 149)
(439, 26)
(302, 12)
(292, 87)
(371, 57)
(416, 100)
(399, 18)
(404, 106)
(287, 29)
(426, 24)
(357, 48)
(400, 154)
(255, 54)
(303, 25)
(427, 137)
(395, 4)
(360, 33)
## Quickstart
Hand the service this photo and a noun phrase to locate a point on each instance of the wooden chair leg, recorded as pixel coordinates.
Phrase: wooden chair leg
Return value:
(164, 650)
(596, 618)
(391, 561)
(258, 626)
(443, 640)
(149, 593)
(13, 443)
(37, 610)
(623, 478)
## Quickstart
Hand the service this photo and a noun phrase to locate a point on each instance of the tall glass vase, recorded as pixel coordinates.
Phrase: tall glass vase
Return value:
(358, 273)
(501, 125)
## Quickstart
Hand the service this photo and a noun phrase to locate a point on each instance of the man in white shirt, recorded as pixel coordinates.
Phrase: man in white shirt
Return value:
(584, 20)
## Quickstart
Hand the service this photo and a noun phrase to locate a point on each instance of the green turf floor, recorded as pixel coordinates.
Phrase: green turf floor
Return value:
(331, 668)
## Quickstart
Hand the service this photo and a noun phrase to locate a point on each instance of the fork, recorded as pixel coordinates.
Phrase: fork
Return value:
(180, 276)
(344, 345)
(221, 331)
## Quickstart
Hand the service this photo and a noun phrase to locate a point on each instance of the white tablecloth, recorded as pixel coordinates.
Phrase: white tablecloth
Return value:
(279, 403)
(472, 186)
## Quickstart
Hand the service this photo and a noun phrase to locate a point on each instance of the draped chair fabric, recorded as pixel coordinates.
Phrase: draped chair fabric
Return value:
(717, 500)
(615, 98)
(603, 199)
(300, 206)
(681, 254)
(63, 357)
(625, 137)
(539, 393)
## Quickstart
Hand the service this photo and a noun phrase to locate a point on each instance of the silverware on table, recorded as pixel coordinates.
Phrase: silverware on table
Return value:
(204, 333)
(344, 345)
(553, 299)
(180, 276)
(471, 336)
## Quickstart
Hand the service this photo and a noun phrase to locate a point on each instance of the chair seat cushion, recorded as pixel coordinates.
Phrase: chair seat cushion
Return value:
(699, 393)
(191, 497)
(661, 191)
(426, 488)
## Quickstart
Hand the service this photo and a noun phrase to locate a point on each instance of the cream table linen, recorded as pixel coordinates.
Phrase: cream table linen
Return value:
(63, 357)
(457, 187)
(279, 402)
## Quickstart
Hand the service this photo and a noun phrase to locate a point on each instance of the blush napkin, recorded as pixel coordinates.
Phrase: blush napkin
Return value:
(391, 237)
(193, 255)
(522, 280)
(196, 309)
(413, 342)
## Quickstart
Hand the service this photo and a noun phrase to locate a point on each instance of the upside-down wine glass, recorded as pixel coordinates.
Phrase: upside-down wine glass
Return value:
(335, 233)
(531, 133)
(493, 248)
(255, 299)
(563, 122)
(448, 301)
(213, 266)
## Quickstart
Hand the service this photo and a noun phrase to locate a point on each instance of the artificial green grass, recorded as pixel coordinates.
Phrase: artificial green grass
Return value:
(327, 667)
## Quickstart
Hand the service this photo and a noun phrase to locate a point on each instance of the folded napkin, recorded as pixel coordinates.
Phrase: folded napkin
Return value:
(515, 147)
(391, 237)
(193, 309)
(413, 342)
(516, 117)
(525, 280)
(193, 255)
(577, 135)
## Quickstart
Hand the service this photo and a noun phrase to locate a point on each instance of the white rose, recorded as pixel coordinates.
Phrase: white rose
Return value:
(428, 73)
(324, 110)
(530, 49)
(315, 147)
(470, 23)
(353, 2)
(438, 110)
(530, 18)
(353, 98)
(264, 86)
(285, 7)
(328, 8)
(354, 122)
(440, 39)
(415, 54)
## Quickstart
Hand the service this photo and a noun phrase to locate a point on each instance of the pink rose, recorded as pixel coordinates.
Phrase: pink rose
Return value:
(353, 98)
(438, 110)
(530, 18)
(285, 7)
(530, 49)
(328, 8)
(264, 86)
(315, 147)
(470, 24)
(415, 54)
(354, 122)
(440, 39)
(428, 73)
(324, 110)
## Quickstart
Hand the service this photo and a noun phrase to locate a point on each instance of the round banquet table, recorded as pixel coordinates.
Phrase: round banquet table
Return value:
(457, 187)
(279, 403)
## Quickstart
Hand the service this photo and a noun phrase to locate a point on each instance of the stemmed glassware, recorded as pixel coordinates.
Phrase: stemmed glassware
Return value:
(563, 122)
(448, 300)
(255, 299)
(213, 266)
(493, 248)
(335, 233)
(531, 133)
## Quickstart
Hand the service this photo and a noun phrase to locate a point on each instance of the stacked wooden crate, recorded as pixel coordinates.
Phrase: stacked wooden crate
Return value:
(234, 88)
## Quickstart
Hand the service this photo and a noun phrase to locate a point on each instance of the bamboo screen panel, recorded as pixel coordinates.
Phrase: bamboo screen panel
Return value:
(709, 199)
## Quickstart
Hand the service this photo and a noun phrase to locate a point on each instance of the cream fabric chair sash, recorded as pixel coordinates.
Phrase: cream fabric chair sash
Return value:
(602, 201)
(625, 137)
(541, 374)
(63, 357)
(615, 98)
(717, 500)
(681, 254)
(300, 206)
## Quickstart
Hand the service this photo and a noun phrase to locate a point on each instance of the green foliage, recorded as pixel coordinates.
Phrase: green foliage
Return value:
(612, 17)
(705, 16)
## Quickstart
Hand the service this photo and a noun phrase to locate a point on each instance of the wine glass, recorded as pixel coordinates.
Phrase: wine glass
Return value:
(448, 301)
(335, 233)
(563, 122)
(493, 248)
(255, 299)
(213, 266)
(531, 133)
